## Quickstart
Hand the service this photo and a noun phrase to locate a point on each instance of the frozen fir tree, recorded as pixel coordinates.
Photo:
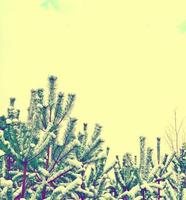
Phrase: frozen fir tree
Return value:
(45, 158)
(40, 162)
(148, 179)
(179, 166)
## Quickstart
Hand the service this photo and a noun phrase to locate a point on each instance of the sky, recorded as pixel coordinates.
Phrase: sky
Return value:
(125, 61)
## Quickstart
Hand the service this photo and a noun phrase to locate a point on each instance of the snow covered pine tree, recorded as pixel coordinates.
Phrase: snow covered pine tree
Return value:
(38, 161)
(150, 180)
(44, 158)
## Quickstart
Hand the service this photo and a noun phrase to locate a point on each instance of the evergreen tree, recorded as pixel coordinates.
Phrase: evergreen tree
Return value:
(146, 181)
(44, 158)
(38, 160)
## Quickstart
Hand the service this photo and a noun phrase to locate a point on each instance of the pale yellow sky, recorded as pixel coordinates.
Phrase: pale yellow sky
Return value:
(125, 60)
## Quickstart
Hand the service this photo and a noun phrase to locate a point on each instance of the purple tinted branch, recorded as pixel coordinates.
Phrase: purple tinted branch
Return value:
(25, 163)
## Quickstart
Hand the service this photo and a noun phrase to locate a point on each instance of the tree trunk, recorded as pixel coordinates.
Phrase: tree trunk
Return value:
(44, 192)
(159, 191)
(143, 193)
(24, 179)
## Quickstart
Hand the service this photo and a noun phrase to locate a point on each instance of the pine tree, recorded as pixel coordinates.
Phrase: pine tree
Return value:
(179, 164)
(146, 181)
(38, 161)
(44, 158)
